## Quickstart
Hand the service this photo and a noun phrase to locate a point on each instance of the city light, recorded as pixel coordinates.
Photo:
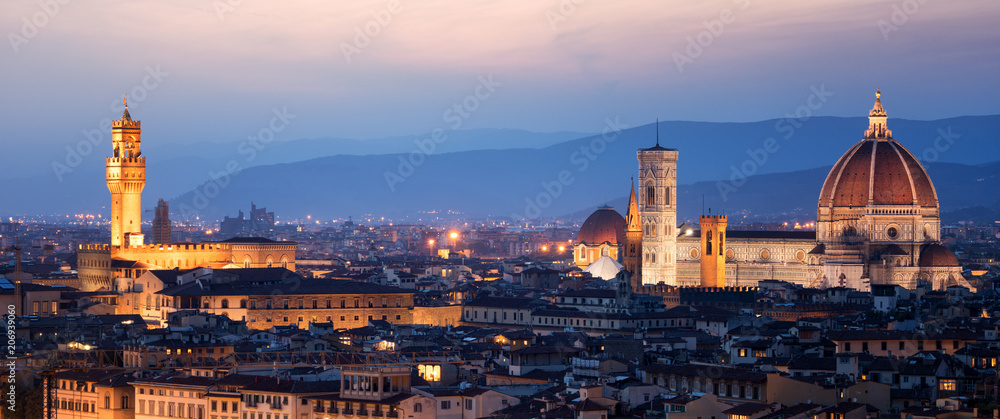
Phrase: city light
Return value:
(453, 235)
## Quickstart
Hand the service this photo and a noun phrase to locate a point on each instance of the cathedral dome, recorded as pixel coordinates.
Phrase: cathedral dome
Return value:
(878, 171)
(604, 225)
(937, 256)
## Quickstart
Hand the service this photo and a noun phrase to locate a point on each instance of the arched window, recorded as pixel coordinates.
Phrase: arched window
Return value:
(708, 243)
(666, 196)
(650, 195)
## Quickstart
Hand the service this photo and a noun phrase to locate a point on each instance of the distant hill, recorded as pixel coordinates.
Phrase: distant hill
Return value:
(964, 192)
(594, 170)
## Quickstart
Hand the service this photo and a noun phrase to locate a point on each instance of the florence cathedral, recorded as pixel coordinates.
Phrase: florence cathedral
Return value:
(877, 222)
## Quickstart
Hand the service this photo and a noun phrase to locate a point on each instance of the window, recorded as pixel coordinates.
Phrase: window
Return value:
(902, 345)
(650, 195)
(468, 404)
(946, 384)
(417, 408)
(885, 345)
(445, 404)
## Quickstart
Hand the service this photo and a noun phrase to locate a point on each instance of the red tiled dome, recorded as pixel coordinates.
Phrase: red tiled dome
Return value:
(877, 170)
(937, 256)
(604, 225)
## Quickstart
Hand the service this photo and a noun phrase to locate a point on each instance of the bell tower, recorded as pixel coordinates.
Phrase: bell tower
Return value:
(658, 210)
(713, 250)
(126, 177)
(632, 254)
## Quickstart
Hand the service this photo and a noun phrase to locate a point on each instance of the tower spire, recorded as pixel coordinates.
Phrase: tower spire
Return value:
(657, 132)
(125, 114)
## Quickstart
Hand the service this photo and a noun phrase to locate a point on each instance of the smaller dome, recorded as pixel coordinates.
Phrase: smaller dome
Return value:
(604, 225)
(604, 268)
(937, 256)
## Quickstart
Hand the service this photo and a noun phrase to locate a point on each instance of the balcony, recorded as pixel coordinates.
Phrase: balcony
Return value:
(392, 414)
(348, 411)
(363, 412)
(377, 413)
(332, 409)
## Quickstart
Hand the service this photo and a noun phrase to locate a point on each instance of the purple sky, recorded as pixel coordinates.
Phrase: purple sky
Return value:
(560, 65)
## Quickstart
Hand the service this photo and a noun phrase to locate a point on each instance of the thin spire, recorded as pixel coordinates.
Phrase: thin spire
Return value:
(125, 115)
(657, 132)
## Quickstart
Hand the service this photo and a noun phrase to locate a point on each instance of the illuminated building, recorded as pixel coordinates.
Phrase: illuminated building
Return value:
(602, 234)
(128, 256)
(162, 230)
(658, 212)
(877, 223)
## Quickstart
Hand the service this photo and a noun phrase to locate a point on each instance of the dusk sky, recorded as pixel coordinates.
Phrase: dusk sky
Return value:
(226, 65)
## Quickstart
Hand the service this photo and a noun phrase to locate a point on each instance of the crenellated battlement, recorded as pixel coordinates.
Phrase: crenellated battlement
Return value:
(174, 247)
(93, 247)
(126, 160)
(126, 124)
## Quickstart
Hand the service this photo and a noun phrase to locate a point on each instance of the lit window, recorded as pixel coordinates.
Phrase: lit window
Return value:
(946, 385)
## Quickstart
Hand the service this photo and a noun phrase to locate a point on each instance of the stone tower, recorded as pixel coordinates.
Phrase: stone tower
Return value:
(162, 229)
(658, 212)
(126, 176)
(632, 251)
(713, 250)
